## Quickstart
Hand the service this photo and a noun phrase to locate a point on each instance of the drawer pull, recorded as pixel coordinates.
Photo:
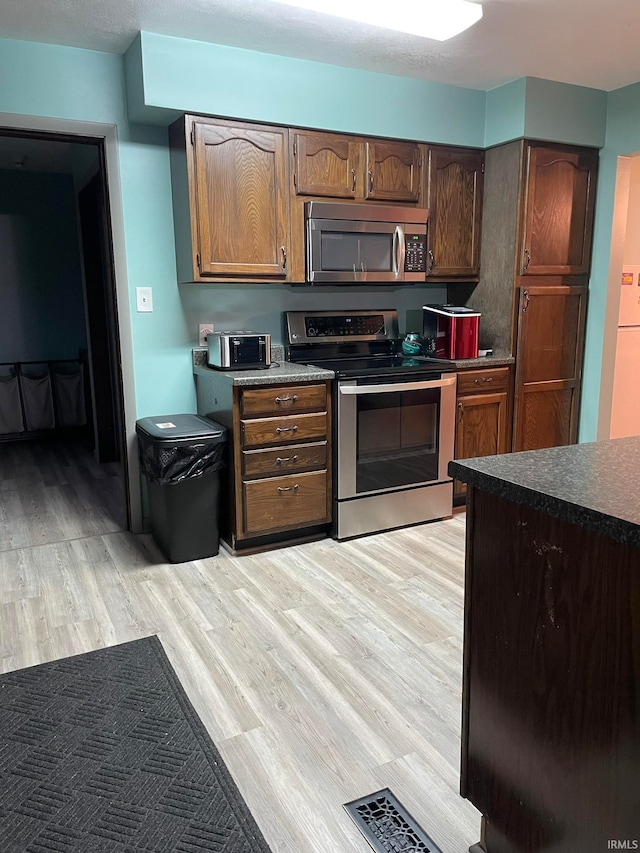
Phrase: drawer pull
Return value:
(280, 460)
(288, 488)
(292, 399)
(483, 379)
(286, 429)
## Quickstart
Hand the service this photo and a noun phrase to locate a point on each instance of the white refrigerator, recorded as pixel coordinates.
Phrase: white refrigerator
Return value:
(625, 410)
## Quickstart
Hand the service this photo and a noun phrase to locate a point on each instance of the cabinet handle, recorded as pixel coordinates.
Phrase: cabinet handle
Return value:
(353, 180)
(286, 429)
(288, 488)
(280, 460)
(290, 399)
(525, 301)
(370, 181)
(527, 260)
(460, 412)
(483, 379)
(284, 257)
(432, 261)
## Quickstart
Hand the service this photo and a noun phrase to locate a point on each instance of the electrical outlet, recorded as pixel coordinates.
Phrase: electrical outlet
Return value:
(203, 330)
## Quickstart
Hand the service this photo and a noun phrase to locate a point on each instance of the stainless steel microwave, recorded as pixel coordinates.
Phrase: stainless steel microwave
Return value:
(354, 243)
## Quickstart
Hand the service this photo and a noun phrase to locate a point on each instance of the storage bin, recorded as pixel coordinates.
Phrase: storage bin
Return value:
(35, 386)
(68, 394)
(11, 419)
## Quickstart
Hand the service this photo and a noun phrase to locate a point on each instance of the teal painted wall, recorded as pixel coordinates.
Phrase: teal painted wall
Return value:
(544, 109)
(190, 76)
(88, 86)
(559, 112)
(163, 76)
(504, 118)
(623, 137)
(41, 301)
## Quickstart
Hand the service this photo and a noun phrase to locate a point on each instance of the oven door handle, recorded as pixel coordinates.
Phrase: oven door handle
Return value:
(397, 386)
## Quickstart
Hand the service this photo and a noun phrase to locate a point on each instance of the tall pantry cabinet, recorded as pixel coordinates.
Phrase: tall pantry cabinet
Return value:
(536, 252)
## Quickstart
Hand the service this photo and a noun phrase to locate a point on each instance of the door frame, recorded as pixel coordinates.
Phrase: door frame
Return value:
(612, 302)
(107, 133)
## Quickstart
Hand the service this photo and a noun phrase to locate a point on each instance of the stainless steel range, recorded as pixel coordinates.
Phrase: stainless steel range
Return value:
(394, 423)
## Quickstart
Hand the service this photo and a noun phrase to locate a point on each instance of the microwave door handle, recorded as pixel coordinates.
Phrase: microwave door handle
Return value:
(398, 251)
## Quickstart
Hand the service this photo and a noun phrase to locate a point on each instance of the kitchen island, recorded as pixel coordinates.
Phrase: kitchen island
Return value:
(551, 691)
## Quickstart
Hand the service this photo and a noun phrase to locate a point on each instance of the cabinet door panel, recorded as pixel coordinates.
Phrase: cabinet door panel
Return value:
(545, 416)
(550, 342)
(327, 165)
(455, 202)
(560, 192)
(240, 200)
(481, 428)
(393, 171)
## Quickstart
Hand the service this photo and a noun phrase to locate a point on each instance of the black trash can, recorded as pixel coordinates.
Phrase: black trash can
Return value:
(181, 457)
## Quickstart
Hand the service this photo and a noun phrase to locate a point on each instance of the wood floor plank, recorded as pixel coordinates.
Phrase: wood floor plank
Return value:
(323, 671)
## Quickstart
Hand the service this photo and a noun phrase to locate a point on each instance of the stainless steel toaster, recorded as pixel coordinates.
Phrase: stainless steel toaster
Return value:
(239, 350)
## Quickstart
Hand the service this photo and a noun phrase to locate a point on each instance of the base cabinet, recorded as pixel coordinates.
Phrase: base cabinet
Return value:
(482, 416)
(282, 462)
(551, 720)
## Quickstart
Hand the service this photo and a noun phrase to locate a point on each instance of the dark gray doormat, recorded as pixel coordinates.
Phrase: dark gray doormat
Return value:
(104, 753)
(388, 826)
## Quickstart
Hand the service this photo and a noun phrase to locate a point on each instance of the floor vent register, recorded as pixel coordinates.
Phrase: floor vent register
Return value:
(388, 826)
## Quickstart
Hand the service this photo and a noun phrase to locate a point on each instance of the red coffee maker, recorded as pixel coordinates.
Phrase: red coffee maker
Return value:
(450, 331)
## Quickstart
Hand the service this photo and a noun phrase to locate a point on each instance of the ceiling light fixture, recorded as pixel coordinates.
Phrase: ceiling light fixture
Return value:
(433, 19)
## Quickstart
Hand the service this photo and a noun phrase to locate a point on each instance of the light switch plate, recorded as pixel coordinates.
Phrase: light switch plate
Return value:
(144, 299)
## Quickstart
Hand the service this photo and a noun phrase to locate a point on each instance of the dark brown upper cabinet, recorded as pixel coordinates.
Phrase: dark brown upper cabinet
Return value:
(348, 167)
(454, 199)
(394, 171)
(560, 185)
(230, 179)
(326, 164)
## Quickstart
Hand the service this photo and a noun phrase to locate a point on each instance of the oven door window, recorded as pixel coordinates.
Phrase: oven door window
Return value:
(396, 439)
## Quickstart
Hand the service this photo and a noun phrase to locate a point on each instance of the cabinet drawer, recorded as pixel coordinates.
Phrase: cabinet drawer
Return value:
(285, 502)
(286, 399)
(477, 381)
(284, 430)
(284, 460)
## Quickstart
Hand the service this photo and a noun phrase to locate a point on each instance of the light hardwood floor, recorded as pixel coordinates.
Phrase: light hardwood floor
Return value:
(323, 672)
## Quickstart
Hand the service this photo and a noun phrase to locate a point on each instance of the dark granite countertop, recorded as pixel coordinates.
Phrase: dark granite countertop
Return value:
(594, 485)
(487, 361)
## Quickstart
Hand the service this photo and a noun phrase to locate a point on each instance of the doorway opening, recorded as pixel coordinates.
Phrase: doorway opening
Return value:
(619, 411)
(63, 454)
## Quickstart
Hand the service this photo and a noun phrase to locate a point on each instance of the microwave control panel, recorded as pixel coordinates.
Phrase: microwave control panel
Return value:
(415, 253)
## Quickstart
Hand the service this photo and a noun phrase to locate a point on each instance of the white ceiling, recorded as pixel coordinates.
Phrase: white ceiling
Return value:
(586, 42)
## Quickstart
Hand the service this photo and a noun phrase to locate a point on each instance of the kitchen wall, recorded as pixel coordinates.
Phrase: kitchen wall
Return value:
(166, 76)
(41, 303)
(622, 137)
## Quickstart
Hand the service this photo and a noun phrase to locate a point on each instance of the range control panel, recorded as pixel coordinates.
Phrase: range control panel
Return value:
(325, 328)
(344, 325)
(415, 253)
